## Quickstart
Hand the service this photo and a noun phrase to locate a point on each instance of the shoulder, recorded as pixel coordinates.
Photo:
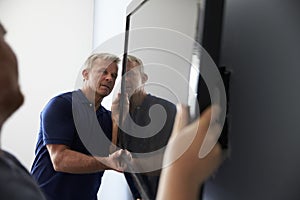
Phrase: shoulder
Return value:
(161, 101)
(11, 167)
(8, 160)
(67, 96)
(19, 179)
(59, 100)
(169, 107)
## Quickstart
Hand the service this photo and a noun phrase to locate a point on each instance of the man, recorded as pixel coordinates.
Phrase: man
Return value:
(144, 132)
(15, 181)
(74, 137)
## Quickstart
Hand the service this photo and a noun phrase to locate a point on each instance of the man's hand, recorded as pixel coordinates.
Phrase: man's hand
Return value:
(117, 161)
(182, 157)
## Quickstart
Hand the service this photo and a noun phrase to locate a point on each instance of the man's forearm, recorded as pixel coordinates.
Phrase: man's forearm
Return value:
(75, 162)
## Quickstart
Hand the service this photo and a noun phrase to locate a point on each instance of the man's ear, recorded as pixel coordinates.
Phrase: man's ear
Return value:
(85, 74)
(144, 78)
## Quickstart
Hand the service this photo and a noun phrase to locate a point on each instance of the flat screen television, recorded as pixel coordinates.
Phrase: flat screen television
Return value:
(179, 43)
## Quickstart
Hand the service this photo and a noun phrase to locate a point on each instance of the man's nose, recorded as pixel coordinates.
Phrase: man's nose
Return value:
(108, 77)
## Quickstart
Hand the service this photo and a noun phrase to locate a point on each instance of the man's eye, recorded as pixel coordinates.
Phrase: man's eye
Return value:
(114, 76)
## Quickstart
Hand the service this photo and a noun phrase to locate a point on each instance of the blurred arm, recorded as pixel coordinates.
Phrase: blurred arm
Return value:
(182, 177)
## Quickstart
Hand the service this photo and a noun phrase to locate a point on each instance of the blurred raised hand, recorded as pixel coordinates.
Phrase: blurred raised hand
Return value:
(184, 170)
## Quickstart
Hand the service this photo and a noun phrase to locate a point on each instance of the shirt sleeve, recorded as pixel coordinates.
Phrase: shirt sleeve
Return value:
(57, 122)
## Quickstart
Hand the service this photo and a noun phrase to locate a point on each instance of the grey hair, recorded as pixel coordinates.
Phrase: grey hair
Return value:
(132, 58)
(103, 56)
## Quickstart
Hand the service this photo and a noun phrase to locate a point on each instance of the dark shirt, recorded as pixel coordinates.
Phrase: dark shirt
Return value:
(15, 181)
(70, 119)
(152, 125)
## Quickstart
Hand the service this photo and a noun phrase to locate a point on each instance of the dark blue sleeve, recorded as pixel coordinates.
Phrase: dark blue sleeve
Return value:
(57, 122)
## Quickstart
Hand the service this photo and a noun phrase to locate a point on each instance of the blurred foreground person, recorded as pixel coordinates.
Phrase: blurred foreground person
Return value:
(15, 181)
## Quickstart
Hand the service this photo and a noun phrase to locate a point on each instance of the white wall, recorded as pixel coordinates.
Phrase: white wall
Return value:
(51, 39)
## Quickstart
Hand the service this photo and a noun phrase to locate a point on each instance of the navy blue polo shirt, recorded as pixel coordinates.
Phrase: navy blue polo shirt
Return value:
(70, 119)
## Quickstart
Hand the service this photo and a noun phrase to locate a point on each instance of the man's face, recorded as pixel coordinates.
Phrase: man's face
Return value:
(133, 77)
(101, 77)
(11, 97)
